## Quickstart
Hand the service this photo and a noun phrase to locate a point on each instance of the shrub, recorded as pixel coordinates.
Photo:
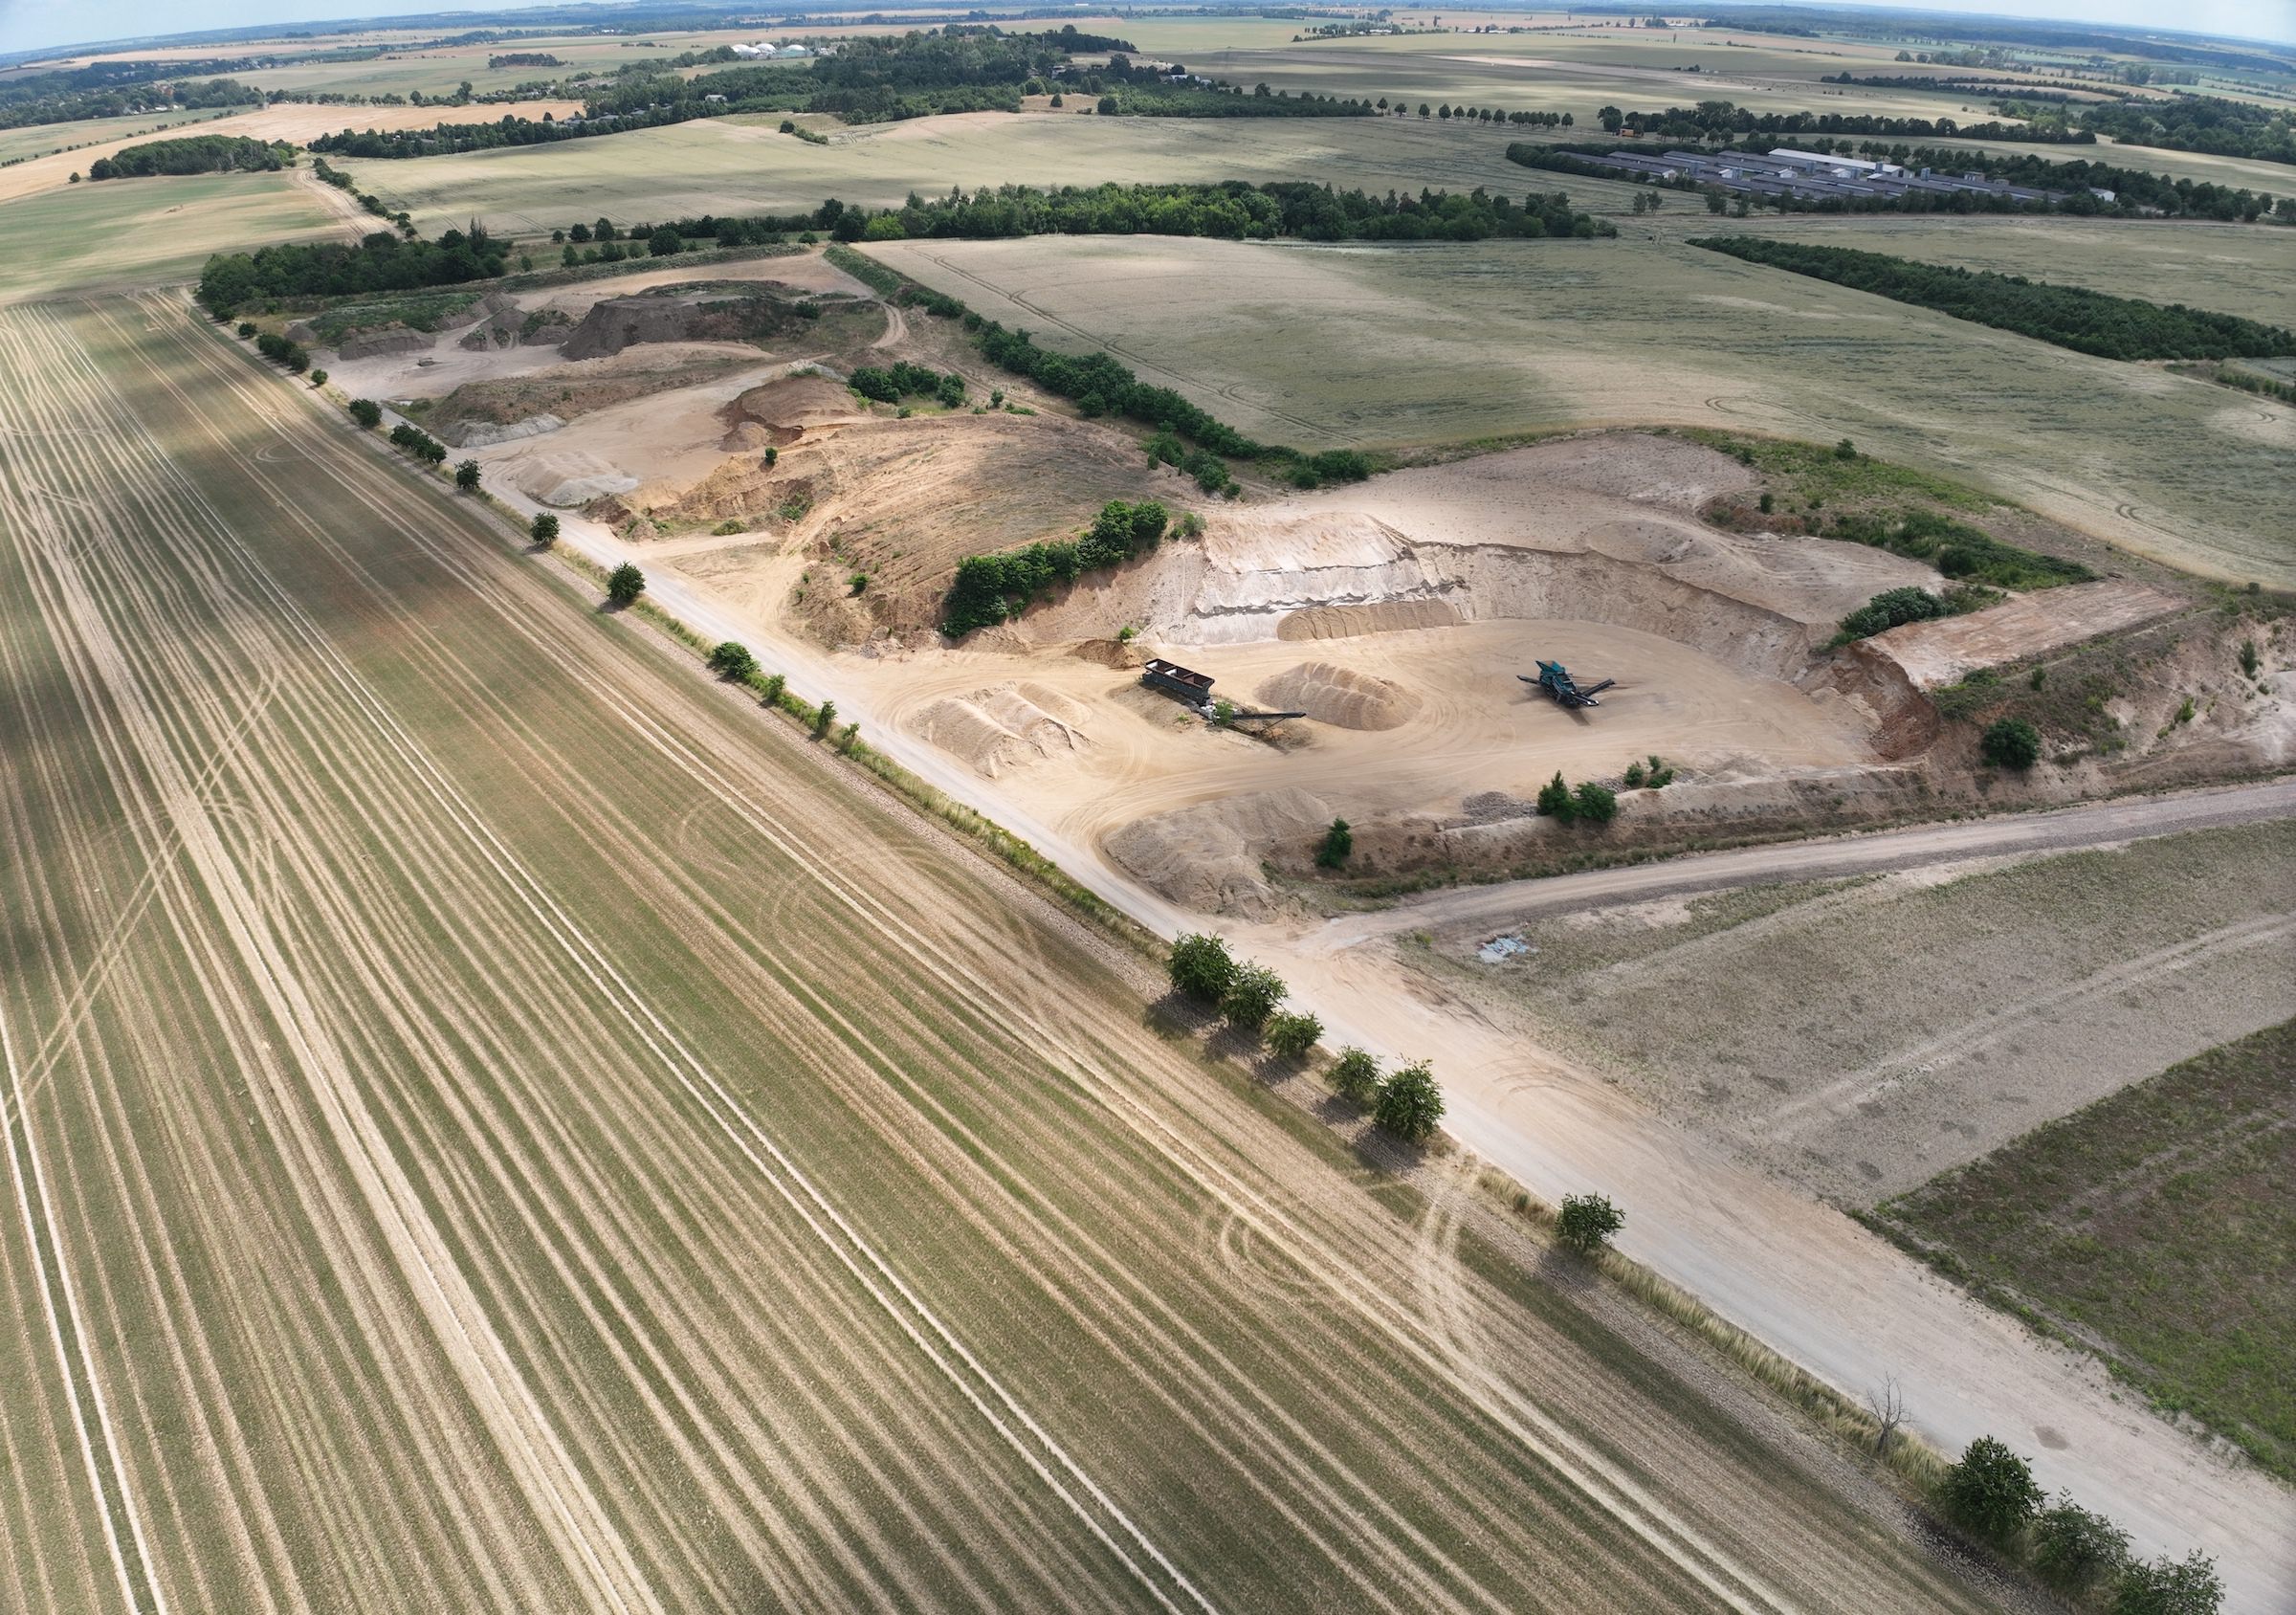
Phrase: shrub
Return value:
(1292, 1033)
(466, 477)
(1339, 844)
(1991, 1491)
(771, 688)
(2010, 742)
(771, 454)
(1846, 450)
(1595, 804)
(625, 583)
(2166, 1587)
(1354, 1074)
(732, 659)
(543, 529)
(247, 328)
(1587, 1221)
(2077, 1550)
(824, 715)
(1409, 1105)
(2249, 661)
(1252, 995)
(1201, 967)
(1554, 799)
(1769, 503)
(366, 412)
(1890, 609)
(319, 378)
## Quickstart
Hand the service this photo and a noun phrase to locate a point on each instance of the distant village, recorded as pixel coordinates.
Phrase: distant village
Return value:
(1813, 175)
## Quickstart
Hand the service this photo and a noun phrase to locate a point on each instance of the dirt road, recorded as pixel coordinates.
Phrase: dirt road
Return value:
(1799, 1275)
(2063, 829)
(495, 1122)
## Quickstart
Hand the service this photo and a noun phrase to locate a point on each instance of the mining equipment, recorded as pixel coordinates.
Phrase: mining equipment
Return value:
(1194, 690)
(1557, 682)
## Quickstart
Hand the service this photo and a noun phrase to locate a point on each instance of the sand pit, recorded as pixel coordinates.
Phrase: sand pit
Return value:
(1339, 695)
(1006, 726)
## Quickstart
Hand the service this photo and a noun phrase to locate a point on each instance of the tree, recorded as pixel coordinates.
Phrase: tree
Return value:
(247, 328)
(824, 715)
(1846, 450)
(665, 242)
(1201, 967)
(1554, 799)
(1991, 1491)
(1252, 995)
(1595, 804)
(1354, 1074)
(2166, 1587)
(771, 687)
(1292, 1033)
(466, 477)
(1107, 107)
(1889, 1407)
(2010, 742)
(1409, 1105)
(1338, 843)
(366, 412)
(1587, 1221)
(625, 583)
(732, 659)
(319, 378)
(567, 255)
(543, 529)
(2075, 1549)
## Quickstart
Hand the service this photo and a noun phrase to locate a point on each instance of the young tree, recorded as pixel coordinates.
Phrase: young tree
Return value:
(366, 412)
(732, 659)
(1554, 799)
(1846, 450)
(625, 583)
(2011, 742)
(466, 477)
(1252, 997)
(1587, 1221)
(319, 378)
(2075, 1549)
(771, 688)
(824, 715)
(1991, 1491)
(1339, 844)
(1355, 1075)
(2167, 1587)
(1292, 1033)
(665, 243)
(1409, 1105)
(1201, 967)
(1595, 804)
(543, 529)
(247, 328)
(1888, 1408)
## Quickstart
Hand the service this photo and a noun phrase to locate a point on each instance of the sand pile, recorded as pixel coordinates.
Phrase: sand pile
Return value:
(1339, 695)
(1006, 726)
(1208, 856)
(569, 478)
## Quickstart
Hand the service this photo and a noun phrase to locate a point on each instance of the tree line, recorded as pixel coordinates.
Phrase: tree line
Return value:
(989, 589)
(2209, 123)
(1711, 119)
(115, 90)
(381, 262)
(190, 154)
(2073, 317)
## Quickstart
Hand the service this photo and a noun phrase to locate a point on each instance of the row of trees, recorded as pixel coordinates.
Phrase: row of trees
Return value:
(1590, 803)
(1721, 120)
(381, 262)
(2210, 124)
(1406, 1101)
(1990, 1493)
(990, 588)
(2073, 317)
(191, 154)
(891, 384)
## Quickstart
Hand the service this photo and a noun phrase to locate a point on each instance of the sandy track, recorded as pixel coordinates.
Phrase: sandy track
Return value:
(744, 1195)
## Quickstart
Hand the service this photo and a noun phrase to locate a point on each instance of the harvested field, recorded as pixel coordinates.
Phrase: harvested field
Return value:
(1409, 345)
(139, 232)
(496, 1126)
(2157, 1225)
(1859, 1038)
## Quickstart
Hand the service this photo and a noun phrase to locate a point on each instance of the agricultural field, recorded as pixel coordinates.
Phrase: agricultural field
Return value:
(146, 231)
(42, 140)
(2155, 1226)
(496, 1124)
(1885, 1029)
(1408, 345)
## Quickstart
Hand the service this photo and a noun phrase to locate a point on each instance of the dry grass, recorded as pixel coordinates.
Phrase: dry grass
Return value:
(142, 233)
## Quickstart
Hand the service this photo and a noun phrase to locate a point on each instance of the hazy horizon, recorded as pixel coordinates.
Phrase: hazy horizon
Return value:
(27, 25)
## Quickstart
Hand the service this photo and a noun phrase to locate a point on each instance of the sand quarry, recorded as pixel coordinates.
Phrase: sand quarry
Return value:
(1396, 614)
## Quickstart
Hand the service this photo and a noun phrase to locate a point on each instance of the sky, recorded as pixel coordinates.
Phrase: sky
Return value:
(37, 24)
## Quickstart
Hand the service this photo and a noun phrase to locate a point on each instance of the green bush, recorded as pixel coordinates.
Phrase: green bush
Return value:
(466, 477)
(1892, 609)
(2166, 1587)
(732, 659)
(1409, 1104)
(1339, 844)
(1292, 1033)
(366, 412)
(1355, 1075)
(2010, 742)
(1252, 995)
(1587, 1221)
(1201, 967)
(543, 529)
(2075, 1549)
(625, 583)
(1990, 1492)
(824, 715)
(1594, 804)
(1554, 800)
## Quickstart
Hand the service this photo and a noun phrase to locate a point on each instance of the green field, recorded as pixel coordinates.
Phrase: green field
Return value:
(517, 1128)
(2158, 1226)
(147, 232)
(1419, 345)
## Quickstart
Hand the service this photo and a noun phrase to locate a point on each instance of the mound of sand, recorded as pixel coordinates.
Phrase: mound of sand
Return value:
(1339, 695)
(1006, 726)
(1208, 856)
(569, 478)
(795, 402)
(1118, 654)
